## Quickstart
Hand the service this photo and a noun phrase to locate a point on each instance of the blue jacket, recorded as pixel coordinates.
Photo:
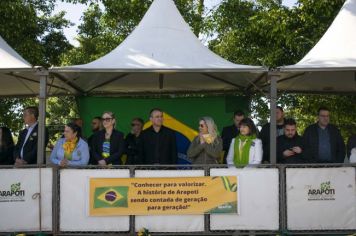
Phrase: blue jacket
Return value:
(80, 155)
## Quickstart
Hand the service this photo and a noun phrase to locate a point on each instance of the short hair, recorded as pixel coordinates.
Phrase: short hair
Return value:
(280, 108)
(250, 124)
(138, 119)
(97, 118)
(323, 109)
(76, 128)
(289, 121)
(239, 113)
(32, 110)
(155, 109)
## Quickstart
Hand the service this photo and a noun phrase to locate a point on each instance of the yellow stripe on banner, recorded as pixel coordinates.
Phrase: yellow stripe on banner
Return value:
(172, 123)
(163, 196)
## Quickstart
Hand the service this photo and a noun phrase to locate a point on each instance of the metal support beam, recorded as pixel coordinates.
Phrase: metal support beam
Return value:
(43, 74)
(273, 77)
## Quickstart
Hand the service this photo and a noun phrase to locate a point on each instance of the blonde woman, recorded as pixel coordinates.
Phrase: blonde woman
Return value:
(245, 148)
(206, 148)
(108, 144)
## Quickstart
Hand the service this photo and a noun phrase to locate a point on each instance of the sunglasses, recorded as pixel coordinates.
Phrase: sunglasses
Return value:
(106, 119)
(201, 125)
(135, 124)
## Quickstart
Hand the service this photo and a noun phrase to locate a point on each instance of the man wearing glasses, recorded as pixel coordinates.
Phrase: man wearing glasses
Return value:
(132, 141)
(323, 141)
(158, 143)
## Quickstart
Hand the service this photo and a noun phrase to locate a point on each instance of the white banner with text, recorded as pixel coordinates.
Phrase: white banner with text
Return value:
(20, 206)
(321, 198)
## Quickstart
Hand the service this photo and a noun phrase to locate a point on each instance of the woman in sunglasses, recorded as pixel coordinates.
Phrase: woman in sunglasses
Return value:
(108, 144)
(245, 148)
(71, 150)
(206, 148)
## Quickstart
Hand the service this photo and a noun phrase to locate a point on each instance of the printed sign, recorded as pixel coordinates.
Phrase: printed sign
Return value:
(13, 194)
(162, 196)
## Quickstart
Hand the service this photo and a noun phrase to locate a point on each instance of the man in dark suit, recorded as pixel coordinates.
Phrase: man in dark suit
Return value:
(26, 148)
(323, 141)
(158, 143)
(230, 132)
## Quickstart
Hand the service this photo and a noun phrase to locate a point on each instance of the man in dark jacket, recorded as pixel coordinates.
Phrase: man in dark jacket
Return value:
(158, 143)
(323, 141)
(265, 133)
(132, 141)
(290, 145)
(25, 151)
(230, 132)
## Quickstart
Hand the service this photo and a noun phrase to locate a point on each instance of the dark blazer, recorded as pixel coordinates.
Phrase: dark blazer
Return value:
(30, 148)
(117, 147)
(228, 133)
(6, 156)
(131, 149)
(284, 143)
(264, 136)
(311, 144)
(158, 148)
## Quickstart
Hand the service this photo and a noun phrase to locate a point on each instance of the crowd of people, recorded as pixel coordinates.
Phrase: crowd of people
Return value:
(240, 143)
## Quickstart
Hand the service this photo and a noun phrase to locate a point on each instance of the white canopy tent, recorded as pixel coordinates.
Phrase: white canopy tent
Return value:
(162, 55)
(331, 65)
(18, 77)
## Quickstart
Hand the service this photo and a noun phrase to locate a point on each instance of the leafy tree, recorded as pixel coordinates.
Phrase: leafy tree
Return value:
(267, 33)
(30, 28)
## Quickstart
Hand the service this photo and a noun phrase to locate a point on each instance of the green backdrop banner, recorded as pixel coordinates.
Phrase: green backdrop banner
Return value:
(186, 110)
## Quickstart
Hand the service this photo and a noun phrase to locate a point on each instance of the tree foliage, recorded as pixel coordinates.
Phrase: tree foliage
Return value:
(260, 32)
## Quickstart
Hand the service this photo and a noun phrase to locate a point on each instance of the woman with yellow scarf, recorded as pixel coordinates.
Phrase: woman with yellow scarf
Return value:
(245, 149)
(206, 148)
(71, 150)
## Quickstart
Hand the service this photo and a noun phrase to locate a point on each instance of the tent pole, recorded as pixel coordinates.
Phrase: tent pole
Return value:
(43, 74)
(273, 76)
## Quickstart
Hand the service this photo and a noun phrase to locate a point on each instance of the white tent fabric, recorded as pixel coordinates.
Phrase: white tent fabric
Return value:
(10, 58)
(331, 65)
(161, 55)
(18, 77)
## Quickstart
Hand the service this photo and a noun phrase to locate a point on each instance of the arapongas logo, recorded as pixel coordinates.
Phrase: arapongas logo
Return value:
(14, 194)
(324, 192)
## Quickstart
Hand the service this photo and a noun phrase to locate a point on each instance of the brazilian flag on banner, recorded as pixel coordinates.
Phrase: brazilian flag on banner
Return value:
(111, 197)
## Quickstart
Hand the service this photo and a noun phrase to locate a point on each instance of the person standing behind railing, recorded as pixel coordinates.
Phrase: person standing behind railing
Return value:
(71, 150)
(230, 132)
(6, 146)
(132, 141)
(206, 148)
(108, 144)
(158, 143)
(25, 151)
(351, 149)
(323, 141)
(245, 148)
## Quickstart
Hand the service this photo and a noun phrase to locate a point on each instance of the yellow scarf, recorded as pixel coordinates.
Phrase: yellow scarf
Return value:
(69, 147)
(208, 138)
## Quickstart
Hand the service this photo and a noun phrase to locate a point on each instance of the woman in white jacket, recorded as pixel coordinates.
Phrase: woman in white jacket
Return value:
(245, 149)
